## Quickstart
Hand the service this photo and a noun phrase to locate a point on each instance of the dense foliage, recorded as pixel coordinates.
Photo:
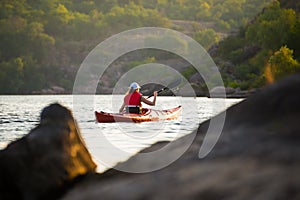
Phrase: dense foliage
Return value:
(43, 42)
(265, 51)
(228, 14)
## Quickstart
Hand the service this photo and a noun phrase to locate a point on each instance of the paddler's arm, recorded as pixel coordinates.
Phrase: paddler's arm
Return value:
(122, 108)
(151, 103)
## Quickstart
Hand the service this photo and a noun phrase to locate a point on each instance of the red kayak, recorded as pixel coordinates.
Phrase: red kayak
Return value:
(146, 116)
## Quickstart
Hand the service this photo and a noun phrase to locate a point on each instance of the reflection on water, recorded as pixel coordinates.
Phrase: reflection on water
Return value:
(19, 114)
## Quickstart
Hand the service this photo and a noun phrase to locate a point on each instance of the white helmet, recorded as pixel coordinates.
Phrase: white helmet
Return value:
(134, 85)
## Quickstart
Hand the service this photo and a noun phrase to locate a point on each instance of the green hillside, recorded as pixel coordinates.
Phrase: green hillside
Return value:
(43, 42)
(265, 50)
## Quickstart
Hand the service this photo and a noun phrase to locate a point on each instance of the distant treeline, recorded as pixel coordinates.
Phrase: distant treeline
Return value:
(43, 42)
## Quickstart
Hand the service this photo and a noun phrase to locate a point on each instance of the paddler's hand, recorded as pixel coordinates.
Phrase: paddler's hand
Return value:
(155, 93)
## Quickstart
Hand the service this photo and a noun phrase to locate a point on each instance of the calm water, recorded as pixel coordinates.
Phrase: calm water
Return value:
(113, 142)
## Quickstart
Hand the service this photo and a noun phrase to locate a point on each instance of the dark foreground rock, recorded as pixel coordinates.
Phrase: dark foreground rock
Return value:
(47, 161)
(257, 157)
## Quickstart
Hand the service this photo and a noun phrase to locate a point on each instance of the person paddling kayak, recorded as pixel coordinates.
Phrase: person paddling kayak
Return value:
(133, 99)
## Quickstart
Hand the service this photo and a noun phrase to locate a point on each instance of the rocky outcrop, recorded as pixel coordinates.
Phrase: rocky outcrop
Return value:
(45, 162)
(51, 90)
(256, 157)
(230, 92)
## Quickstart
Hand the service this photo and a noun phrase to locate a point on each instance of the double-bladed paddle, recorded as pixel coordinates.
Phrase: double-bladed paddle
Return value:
(170, 86)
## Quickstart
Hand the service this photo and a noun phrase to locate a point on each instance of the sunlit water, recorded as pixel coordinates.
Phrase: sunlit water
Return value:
(111, 142)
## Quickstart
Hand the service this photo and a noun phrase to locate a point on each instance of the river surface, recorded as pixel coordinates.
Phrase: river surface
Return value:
(19, 114)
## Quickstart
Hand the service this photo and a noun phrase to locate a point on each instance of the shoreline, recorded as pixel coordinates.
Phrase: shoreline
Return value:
(243, 95)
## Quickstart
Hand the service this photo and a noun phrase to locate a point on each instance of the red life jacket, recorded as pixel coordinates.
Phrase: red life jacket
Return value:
(133, 99)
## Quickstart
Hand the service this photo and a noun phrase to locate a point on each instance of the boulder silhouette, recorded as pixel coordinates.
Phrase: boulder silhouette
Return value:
(42, 164)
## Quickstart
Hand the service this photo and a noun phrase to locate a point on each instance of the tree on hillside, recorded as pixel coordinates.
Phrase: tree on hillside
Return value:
(282, 63)
(207, 37)
(273, 28)
(11, 74)
(105, 5)
(133, 16)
